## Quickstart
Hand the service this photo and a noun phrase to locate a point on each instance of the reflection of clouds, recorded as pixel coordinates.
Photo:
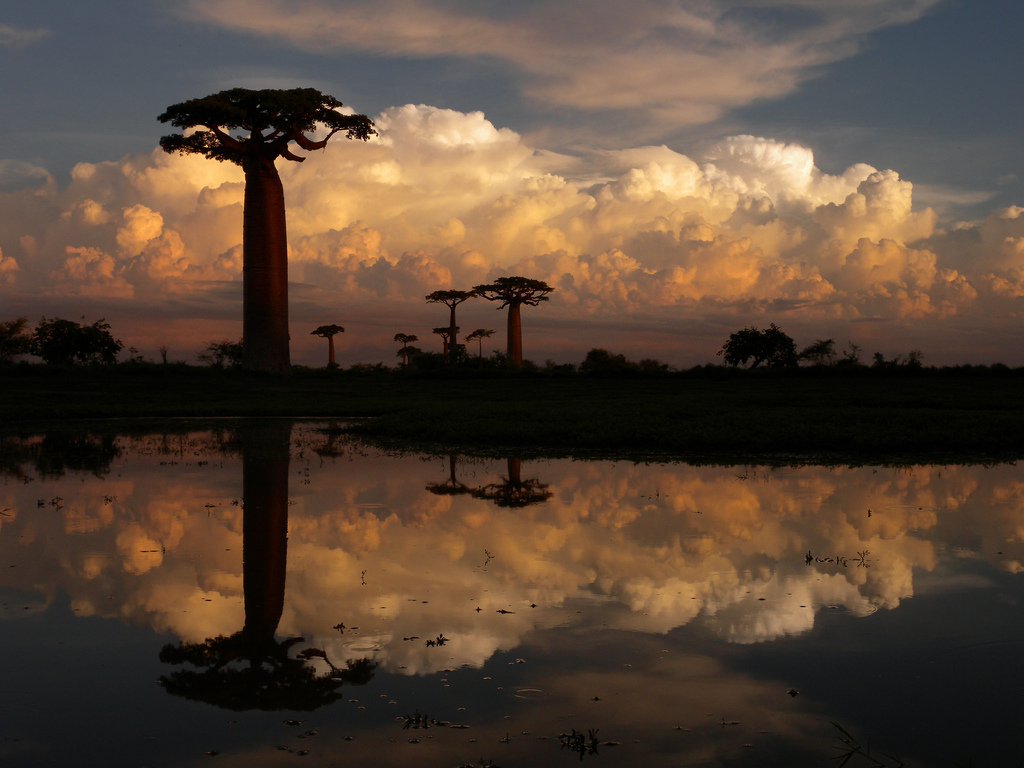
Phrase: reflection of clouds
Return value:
(647, 548)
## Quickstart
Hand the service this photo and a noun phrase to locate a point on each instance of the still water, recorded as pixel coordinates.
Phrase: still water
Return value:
(270, 593)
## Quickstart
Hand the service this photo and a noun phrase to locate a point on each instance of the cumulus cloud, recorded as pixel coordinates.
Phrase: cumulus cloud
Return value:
(748, 230)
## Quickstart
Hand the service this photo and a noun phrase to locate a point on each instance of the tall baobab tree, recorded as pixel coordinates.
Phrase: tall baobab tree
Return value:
(478, 336)
(513, 292)
(405, 339)
(252, 129)
(451, 299)
(328, 332)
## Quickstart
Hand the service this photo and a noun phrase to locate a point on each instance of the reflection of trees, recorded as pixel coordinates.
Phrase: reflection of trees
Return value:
(514, 491)
(272, 678)
(60, 452)
(451, 486)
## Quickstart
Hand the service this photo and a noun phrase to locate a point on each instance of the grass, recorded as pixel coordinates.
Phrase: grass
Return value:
(861, 416)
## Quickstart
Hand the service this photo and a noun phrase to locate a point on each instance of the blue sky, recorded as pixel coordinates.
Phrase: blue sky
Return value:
(929, 89)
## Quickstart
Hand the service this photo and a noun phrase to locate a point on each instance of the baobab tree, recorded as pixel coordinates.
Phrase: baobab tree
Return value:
(513, 292)
(446, 336)
(252, 129)
(328, 332)
(405, 339)
(478, 336)
(450, 299)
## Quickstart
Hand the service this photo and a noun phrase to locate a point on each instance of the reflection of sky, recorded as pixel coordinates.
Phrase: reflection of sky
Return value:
(158, 541)
(683, 590)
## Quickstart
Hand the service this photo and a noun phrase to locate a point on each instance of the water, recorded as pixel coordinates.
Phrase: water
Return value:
(465, 611)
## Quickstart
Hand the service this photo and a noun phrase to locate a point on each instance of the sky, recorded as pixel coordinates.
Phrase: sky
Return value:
(675, 169)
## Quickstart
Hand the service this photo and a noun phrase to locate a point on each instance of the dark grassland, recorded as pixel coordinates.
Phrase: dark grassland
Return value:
(858, 415)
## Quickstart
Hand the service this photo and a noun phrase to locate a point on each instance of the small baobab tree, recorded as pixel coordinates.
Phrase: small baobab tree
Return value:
(405, 339)
(451, 299)
(328, 332)
(513, 292)
(478, 336)
(252, 128)
(446, 337)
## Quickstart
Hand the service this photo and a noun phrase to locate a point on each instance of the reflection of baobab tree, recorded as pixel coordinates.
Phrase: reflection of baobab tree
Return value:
(451, 486)
(514, 491)
(268, 676)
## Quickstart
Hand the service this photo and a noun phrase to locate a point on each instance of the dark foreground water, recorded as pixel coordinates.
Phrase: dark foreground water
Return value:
(270, 594)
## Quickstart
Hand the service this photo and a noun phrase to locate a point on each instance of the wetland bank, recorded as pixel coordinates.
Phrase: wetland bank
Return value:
(260, 591)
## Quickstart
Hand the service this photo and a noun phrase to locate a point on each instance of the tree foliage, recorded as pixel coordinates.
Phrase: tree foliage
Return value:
(327, 331)
(772, 347)
(515, 291)
(64, 342)
(272, 119)
(14, 339)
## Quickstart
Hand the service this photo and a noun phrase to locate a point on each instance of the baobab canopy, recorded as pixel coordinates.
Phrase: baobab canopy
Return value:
(272, 119)
(269, 121)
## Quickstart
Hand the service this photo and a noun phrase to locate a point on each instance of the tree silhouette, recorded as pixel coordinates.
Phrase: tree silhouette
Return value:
(273, 678)
(328, 332)
(513, 292)
(821, 352)
(405, 339)
(14, 340)
(446, 336)
(772, 346)
(65, 342)
(450, 299)
(478, 336)
(270, 121)
(224, 353)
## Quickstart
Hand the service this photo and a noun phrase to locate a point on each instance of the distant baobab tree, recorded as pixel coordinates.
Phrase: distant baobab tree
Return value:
(405, 340)
(513, 292)
(451, 299)
(446, 336)
(478, 336)
(328, 332)
(269, 121)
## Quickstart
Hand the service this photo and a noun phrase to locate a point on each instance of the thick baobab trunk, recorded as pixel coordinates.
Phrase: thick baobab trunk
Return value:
(515, 335)
(264, 271)
(330, 350)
